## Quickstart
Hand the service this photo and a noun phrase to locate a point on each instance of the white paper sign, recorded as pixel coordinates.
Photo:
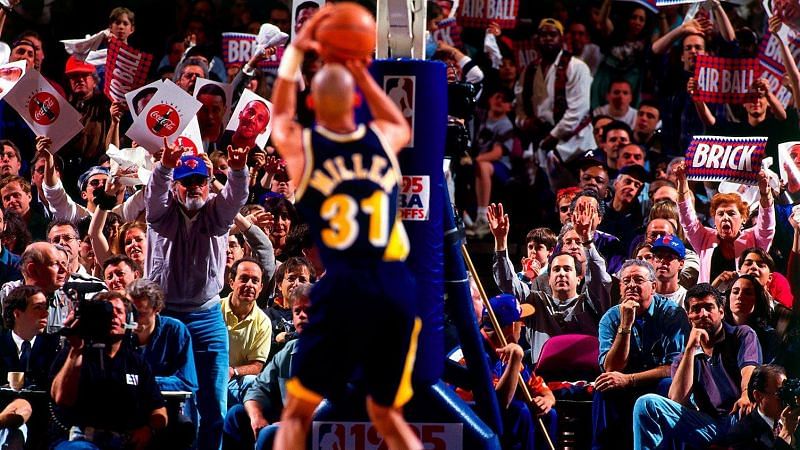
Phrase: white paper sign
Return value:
(363, 435)
(81, 47)
(191, 139)
(224, 90)
(138, 99)
(10, 74)
(45, 111)
(251, 121)
(133, 166)
(788, 153)
(302, 10)
(166, 115)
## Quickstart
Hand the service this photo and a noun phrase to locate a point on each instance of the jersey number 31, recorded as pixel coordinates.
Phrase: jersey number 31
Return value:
(340, 210)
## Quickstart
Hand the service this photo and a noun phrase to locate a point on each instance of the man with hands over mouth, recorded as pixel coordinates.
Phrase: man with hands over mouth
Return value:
(708, 394)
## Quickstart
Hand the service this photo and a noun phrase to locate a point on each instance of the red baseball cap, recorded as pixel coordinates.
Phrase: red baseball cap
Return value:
(74, 65)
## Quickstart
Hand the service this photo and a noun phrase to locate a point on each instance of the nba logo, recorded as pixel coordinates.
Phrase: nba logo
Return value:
(402, 90)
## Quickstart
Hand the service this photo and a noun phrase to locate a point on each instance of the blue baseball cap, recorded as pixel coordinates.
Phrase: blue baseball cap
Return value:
(190, 166)
(96, 170)
(671, 242)
(508, 310)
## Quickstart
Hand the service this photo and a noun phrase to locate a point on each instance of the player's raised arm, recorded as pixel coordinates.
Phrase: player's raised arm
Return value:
(387, 116)
(286, 133)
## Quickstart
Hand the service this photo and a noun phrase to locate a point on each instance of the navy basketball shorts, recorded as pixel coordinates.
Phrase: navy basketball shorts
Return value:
(360, 320)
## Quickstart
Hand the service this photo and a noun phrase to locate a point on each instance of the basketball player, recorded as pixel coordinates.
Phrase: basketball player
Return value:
(347, 190)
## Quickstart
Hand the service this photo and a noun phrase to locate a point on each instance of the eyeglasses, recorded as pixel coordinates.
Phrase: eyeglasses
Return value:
(67, 238)
(189, 75)
(194, 181)
(633, 281)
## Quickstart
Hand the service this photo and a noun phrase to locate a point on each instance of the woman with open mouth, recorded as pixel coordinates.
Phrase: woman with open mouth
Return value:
(720, 247)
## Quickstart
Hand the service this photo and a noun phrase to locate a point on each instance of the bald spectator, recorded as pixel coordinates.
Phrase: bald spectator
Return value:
(45, 266)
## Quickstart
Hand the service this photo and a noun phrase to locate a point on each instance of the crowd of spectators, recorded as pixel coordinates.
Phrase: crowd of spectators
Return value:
(571, 159)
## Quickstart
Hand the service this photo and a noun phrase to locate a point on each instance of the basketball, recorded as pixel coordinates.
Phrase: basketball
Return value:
(348, 33)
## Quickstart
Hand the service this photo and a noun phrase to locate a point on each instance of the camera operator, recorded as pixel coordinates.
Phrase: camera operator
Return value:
(105, 393)
(772, 424)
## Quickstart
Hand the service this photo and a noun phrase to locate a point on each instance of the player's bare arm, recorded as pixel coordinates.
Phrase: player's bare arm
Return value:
(387, 116)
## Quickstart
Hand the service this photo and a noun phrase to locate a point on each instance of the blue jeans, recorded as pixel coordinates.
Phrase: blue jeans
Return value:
(239, 435)
(658, 421)
(210, 345)
(612, 415)
(237, 387)
(76, 445)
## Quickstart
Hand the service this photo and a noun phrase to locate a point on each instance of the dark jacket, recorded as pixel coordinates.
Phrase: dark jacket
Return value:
(753, 433)
(43, 353)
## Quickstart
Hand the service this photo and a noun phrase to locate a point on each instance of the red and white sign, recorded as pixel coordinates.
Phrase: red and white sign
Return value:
(166, 115)
(724, 158)
(126, 69)
(237, 48)
(364, 436)
(725, 80)
(479, 13)
(449, 31)
(45, 111)
(769, 55)
(163, 120)
(414, 200)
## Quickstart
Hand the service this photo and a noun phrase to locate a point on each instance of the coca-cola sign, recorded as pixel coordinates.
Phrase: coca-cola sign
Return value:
(187, 144)
(43, 108)
(163, 120)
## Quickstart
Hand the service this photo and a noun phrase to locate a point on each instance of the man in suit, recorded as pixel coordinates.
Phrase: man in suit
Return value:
(24, 347)
(772, 424)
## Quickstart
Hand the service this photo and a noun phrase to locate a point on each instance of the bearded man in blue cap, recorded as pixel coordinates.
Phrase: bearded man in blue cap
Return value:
(187, 232)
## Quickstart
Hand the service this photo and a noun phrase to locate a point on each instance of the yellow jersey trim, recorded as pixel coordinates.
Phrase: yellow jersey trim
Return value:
(309, 165)
(359, 133)
(404, 390)
(296, 389)
(398, 247)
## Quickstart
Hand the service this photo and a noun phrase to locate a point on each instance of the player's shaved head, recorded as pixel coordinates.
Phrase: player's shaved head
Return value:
(332, 90)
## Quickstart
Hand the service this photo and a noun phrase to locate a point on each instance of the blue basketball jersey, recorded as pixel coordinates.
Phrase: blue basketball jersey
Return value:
(348, 196)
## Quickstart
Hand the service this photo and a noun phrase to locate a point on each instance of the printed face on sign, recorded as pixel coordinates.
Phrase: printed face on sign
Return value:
(253, 119)
(43, 108)
(10, 74)
(163, 120)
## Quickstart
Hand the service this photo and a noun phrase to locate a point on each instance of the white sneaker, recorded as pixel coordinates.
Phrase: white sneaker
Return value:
(468, 222)
(479, 229)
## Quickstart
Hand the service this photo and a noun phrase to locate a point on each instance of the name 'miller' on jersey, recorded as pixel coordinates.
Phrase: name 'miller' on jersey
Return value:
(349, 196)
(334, 171)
